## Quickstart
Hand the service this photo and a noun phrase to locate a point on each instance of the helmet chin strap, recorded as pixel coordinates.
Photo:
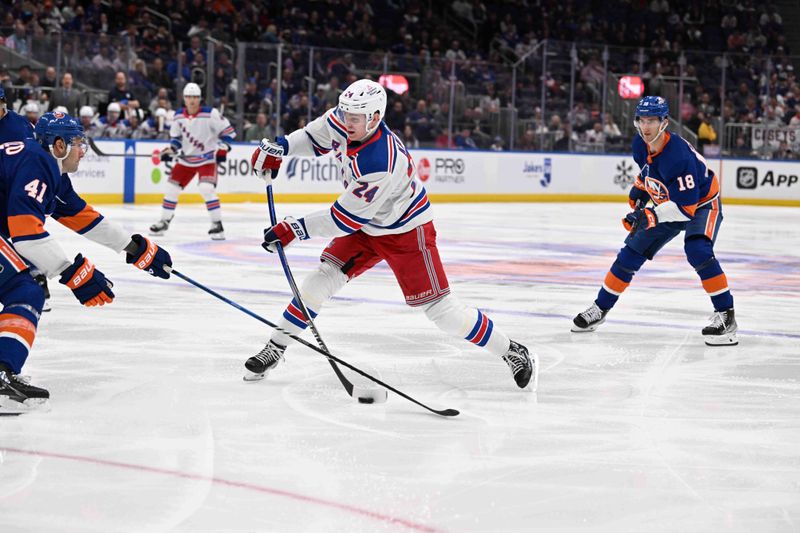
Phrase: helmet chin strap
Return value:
(661, 129)
(370, 131)
(60, 160)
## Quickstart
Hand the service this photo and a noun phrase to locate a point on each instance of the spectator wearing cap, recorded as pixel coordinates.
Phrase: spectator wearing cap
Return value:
(67, 95)
(122, 94)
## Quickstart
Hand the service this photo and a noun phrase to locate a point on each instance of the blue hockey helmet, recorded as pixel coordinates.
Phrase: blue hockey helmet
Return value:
(2, 94)
(652, 106)
(54, 125)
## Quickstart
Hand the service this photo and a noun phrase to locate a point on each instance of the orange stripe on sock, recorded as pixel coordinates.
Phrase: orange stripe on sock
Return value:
(18, 325)
(614, 283)
(716, 285)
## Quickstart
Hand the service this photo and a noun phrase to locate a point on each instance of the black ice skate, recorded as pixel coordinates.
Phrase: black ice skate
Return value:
(41, 279)
(260, 364)
(522, 368)
(722, 330)
(159, 227)
(589, 319)
(216, 232)
(17, 395)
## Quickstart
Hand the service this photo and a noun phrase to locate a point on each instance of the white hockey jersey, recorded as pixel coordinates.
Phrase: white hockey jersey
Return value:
(198, 136)
(382, 194)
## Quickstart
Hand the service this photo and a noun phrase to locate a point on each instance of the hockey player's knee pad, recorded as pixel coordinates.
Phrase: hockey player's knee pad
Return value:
(207, 190)
(699, 251)
(630, 260)
(24, 298)
(450, 315)
(321, 285)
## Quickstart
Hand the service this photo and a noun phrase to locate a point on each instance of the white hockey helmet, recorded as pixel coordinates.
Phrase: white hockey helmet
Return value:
(191, 89)
(86, 111)
(113, 107)
(60, 109)
(364, 96)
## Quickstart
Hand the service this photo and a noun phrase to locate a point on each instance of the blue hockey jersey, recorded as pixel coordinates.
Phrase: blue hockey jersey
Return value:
(14, 127)
(32, 188)
(676, 173)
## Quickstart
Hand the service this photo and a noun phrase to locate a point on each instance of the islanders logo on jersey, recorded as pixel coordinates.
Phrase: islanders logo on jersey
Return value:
(657, 190)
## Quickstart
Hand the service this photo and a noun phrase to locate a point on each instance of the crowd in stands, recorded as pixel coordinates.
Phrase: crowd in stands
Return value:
(149, 57)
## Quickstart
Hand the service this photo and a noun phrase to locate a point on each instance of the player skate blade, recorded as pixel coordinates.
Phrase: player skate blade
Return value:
(250, 376)
(726, 340)
(370, 395)
(12, 408)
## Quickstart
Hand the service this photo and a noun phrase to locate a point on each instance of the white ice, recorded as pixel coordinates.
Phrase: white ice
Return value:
(638, 427)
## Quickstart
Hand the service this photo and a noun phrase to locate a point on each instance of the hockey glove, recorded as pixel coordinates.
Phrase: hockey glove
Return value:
(148, 256)
(166, 155)
(637, 198)
(88, 284)
(222, 152)
(266, 159)
(285, 233)
(641, 218)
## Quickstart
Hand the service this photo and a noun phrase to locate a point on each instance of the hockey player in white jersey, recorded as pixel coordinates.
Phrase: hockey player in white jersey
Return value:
(200, 139)
(383, 215)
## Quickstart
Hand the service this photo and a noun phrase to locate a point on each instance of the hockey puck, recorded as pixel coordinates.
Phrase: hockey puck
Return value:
(366, 400)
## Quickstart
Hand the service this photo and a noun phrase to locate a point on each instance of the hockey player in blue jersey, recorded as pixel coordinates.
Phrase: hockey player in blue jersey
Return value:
(382, 215)
(34, 185)
(686, 198)
(15, 127)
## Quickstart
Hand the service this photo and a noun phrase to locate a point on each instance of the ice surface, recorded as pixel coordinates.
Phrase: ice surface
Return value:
(636, 427)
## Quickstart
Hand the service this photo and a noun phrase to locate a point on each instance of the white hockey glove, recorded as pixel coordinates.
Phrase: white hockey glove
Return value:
(266, 159)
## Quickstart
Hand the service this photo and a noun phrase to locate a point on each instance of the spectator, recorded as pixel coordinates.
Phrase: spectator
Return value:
(498, 145)
(784, 151)
(122, 94)
(528, 141)
(596, 137)
(18, 41)
(409, 139)
(422, 122)
(102, 60)
(610, 128)
(396, 116)
(67, 95)
(257, 131)
(706, 134)
(158, 77)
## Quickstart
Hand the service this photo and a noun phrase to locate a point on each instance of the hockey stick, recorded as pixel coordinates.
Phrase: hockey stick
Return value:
(638, 205)
(101, 153)
(443, 412)
(362, 395)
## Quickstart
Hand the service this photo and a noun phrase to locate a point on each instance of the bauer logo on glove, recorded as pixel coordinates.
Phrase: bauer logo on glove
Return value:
(284, 233)
(267, 158)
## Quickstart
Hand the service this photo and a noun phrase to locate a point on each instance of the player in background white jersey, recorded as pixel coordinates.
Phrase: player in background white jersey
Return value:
(200, 139)
(383, 215)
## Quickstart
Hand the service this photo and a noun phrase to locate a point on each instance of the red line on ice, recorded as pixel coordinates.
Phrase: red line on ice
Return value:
(236, 484)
